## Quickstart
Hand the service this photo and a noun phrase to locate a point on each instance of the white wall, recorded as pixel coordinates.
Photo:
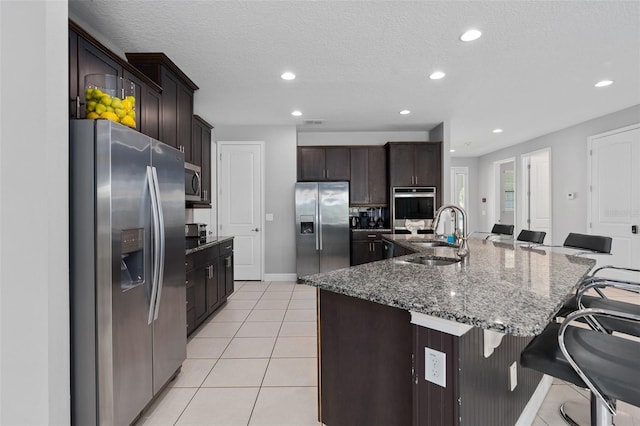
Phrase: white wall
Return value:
(280, 178)
(34, 232)
(568, 172)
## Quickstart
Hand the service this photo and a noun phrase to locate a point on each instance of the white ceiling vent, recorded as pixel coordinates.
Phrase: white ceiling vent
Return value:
(313, 121)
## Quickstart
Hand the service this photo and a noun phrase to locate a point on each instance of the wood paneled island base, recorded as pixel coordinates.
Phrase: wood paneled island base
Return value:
(372, 370)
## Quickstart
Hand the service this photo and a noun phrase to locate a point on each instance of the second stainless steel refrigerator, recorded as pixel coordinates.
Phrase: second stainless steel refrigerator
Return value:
(322, 227)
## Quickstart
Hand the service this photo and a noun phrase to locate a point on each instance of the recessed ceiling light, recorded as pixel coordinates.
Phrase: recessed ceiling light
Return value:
(471, 35)
(296, 113)
(604, 83)
(497, 130)
(437, 75)
(405, 112)
(287, 75)
(452, 150)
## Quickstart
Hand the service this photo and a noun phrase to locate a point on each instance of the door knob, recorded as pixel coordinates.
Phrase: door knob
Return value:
(255, 229)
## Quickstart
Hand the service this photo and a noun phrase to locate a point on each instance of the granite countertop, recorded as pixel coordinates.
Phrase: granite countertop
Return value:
(194, 245)
(503, 286)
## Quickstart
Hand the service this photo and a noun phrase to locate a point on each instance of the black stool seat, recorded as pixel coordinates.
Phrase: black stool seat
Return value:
(536, 237)
(595, 243)
(611, 363)
(502, 229)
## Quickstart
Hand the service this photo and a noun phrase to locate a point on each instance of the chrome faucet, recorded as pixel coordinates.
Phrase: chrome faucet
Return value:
(463, 249)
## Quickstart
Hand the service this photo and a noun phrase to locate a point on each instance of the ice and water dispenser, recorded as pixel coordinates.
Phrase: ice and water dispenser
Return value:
(132, 261)
(306, 224)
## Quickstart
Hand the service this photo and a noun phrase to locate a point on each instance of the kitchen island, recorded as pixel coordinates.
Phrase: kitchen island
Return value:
(380, 322)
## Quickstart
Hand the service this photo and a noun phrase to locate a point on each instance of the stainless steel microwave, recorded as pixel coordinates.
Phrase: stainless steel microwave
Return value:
(192, 182)
(413, 203)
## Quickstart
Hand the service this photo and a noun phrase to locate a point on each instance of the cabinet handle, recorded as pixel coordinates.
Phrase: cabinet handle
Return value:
(77, 106)
(371, 235)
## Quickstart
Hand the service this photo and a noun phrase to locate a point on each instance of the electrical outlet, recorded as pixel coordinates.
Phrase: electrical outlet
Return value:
(513, 376)
(435, 367)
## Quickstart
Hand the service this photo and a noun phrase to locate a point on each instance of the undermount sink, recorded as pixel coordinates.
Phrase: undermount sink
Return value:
(431, 243)
(433, 260)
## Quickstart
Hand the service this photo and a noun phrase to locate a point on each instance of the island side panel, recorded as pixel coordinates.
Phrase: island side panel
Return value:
(484, 382)
(365, 362)
(434, 404)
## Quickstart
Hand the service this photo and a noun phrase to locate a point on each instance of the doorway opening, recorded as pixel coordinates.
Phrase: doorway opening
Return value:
(505, 188)
(460, 190)
(536, 190)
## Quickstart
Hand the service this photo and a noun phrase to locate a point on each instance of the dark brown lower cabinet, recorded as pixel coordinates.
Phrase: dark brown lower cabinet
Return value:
(366, 247)
(372, 370)
(209, 282)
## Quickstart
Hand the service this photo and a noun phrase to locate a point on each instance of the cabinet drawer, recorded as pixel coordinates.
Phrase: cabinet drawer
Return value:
(366, 236)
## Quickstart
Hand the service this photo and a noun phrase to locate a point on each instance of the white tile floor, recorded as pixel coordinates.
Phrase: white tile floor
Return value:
(255, 363)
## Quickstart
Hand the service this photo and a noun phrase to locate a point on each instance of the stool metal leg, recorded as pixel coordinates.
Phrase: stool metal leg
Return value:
(600, 414)
(575, 414)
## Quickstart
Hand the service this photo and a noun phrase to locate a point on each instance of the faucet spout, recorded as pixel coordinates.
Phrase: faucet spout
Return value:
(463, 249)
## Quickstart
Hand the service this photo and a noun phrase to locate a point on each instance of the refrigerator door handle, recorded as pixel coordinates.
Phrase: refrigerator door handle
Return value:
(317, 230)
(319, 215)
(161, 239)
(156, 243)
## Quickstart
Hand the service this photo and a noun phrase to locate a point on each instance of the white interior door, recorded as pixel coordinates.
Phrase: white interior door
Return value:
(614, 198)
(460, 190)
(537, 192)
(240, 204)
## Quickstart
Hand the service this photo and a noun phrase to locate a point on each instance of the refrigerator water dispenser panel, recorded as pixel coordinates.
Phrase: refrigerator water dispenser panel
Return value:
(306, 224)
(132, 262)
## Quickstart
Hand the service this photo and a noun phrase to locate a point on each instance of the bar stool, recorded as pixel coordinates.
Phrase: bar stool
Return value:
(535, 237)
(500, 229)
(605, 363)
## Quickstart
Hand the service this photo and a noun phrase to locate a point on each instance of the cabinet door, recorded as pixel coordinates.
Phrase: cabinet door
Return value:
(377, 177)
(359, 184)
(428, 159)
(200, 294)
(92, 60)
(191, 311)
(359, 252)
(184, 118)
(228, 277)
(169, 122)
(193, 154)
(377, 251)
(74, 101)
(401, 165)
(213, 298)
(337, 164)
(150, 112)
(311, 164)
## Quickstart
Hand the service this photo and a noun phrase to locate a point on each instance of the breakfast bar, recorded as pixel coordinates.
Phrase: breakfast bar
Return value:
(428, 339)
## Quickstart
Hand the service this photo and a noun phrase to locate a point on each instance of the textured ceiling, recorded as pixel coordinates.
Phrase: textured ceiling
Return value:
(360, 62)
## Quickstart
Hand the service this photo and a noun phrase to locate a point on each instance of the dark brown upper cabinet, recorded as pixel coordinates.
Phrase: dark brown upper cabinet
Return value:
(88, 56)
(368, 185)
(177, 97)
(200, 155)
(415, 163)
(323, 163)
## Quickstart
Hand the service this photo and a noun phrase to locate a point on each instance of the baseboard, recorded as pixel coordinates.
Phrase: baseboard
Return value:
(531, 409)
(281, 277)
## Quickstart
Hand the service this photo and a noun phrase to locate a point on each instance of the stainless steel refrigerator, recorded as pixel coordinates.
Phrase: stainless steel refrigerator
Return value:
(127, 251)
(322, 227)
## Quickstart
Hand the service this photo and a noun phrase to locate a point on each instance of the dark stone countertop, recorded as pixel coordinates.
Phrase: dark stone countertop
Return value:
(503, 286)
(194, 244)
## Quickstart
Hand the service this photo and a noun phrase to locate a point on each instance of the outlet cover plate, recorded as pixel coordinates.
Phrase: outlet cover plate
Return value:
(435, 367)
(513, 376)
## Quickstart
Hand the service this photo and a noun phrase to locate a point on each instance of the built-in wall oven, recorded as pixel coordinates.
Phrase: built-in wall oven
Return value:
(412, 203)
